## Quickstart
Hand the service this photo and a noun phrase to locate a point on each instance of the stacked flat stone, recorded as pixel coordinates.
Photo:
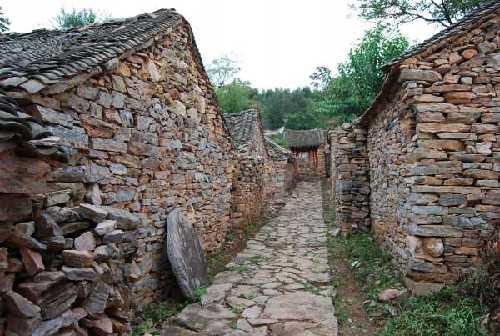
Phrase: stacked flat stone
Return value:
(349, 177)
(259, 178)
(82, 234)
(433, 144)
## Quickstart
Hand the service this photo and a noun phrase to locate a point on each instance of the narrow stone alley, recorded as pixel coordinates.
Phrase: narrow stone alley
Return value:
(279, 285)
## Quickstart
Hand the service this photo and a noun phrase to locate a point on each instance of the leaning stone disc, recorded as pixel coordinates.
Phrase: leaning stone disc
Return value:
(185, 254)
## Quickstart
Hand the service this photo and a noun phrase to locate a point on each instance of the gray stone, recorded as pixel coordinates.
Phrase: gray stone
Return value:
(53, 117)
(452, 199)
(419, 75)
(92, 212)
(105, 227)
(125, 219)
(199, 318)
(215, 293)
(185, 254)
(78, 274)
(109, 145)
(58, 197)
(96, 302)
(93, 195)
(85, 242)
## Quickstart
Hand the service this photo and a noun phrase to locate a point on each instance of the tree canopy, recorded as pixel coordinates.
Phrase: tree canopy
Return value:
(75, 18)
(236, 96)
(4, 22)
(222, 70)
(359, 79)
(443, 12)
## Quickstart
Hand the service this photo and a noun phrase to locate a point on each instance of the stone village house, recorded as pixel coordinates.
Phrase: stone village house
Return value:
(309, 149)
(266, 173)
(104, 130)
(422, 166)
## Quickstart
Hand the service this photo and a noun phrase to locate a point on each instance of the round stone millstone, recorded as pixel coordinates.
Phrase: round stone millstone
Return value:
(185, 254)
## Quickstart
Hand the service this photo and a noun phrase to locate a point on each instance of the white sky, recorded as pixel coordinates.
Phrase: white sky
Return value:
(278, 43)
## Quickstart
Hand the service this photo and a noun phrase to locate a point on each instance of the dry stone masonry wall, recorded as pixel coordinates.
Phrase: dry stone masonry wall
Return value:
(349, 177)
(91, 167)
(433, 148)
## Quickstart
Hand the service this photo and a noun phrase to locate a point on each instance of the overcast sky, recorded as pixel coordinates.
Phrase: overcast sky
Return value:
(278, 43)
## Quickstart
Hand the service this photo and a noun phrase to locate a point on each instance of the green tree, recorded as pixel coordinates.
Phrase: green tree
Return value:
(288, 108)
(4, 22)
(320, 77)
(236, 96)
(75, 18)
(222, 70)
(443, 12)
(360, 78)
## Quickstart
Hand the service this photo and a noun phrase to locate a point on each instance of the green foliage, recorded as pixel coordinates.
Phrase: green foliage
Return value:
(199, 293)
(360, 78)
(159, 312)
(236, 96)
(222, 70)
(447, 312)
(372, 265)
(289, 108)
(445, 12)
(4, 22)
(75, 18)
(146, 327)
(153, 315)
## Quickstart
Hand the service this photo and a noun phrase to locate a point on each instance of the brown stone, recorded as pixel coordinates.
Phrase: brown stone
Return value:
(435, 107)
(57, 300)
(459, 97)
(32, 261)
(469, 53)
(76, 258)
(446, 145)
(389, 294)
(433, 246)
(19, 306)
(481, 173)
(442, 128)
(4, 255)
(15, 207)
(430, 117)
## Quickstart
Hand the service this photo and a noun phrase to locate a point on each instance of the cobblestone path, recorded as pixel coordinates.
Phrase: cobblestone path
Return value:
(279, 285)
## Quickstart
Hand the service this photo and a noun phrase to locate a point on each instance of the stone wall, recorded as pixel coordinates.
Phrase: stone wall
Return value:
(433, 146)
(83, 240)
(349, 177)
(389, 141)
(249, 199)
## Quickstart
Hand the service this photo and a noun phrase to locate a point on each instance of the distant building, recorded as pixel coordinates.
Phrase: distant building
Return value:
(309, 149)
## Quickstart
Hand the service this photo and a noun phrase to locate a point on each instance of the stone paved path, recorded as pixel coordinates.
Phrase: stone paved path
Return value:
(279, 285)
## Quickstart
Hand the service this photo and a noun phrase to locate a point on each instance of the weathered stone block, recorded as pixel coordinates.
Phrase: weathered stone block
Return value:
(419, 75)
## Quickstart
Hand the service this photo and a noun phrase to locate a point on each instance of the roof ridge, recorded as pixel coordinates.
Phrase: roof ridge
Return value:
(480, 12)
(32, 61)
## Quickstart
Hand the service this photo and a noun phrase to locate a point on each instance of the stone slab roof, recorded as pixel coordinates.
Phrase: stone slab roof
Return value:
(305, 138)
(474, 19)
(242, 126)
(276, 152)
(33, 138)
(32, 61)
